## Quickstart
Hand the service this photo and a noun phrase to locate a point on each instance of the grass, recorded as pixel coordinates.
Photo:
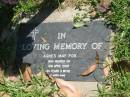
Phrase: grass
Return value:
(122, 46)
(82, 16)
(68, 3)
(120, 19)
(116, 85)
(38, 87)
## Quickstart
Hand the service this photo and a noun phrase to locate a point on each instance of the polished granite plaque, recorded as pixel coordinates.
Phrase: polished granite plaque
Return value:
(63, 51)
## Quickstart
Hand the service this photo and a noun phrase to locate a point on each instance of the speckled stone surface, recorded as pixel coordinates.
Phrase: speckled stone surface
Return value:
(83, 42)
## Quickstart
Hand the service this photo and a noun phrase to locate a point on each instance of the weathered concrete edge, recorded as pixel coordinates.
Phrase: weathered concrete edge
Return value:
(87, 89)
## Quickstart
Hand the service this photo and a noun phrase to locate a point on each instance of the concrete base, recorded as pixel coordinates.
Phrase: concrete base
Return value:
(87, 89)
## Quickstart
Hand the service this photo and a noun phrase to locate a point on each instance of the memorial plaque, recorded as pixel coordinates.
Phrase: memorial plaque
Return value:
(63, 51)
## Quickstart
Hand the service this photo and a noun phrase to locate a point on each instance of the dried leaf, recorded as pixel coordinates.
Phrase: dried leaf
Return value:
(13, 78)
(44, 39)
(1, 76)
(92, 68)
(53, 79)
(27, 72)
(1, 73)
(66, 89)
(93, 14)
(104, 5)
(42, 75)
(89, 70)
(106, 71)
(97, 58)
(29, 88)
(79, 24)
(3, 94)
(106, 68)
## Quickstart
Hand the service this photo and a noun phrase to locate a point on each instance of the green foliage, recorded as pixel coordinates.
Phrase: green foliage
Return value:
(79, 20)
(82, 17)
(120, 18)
(38, 87)
(25, 8)
(94, 2)
(12, 14)
(122, 46)
(116, 85)
(120, 15)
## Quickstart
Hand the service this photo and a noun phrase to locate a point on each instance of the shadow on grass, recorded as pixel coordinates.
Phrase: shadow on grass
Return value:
(25, 30)
(6, 15)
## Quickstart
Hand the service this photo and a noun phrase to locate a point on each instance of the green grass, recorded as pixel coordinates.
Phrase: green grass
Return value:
(38, 87)
(117, 84)
(82, 16)
(120, 18)
(122, 46)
